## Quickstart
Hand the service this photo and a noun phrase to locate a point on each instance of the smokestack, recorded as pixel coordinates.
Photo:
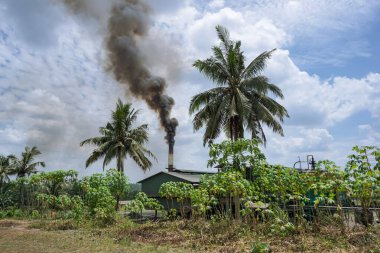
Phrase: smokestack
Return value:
(170, 157)
(170, 133)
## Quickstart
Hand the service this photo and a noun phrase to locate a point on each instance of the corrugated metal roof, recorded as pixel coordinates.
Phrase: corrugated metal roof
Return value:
(193, 178)
(209, 171)
(190, 177)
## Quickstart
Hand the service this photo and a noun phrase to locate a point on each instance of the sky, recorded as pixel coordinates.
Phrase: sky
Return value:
(55, 90)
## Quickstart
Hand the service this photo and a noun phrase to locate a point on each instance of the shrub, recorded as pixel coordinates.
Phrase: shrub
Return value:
(98, 199)
(142, 202)
(260, 247)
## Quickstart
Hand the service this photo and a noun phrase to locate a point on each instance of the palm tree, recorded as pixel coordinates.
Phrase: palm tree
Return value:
(119, 139)
(5, 167)
(242, 98)
(26, 165)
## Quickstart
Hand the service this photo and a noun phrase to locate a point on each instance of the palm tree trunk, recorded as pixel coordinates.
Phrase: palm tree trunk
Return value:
(231, 130)
(120, 165)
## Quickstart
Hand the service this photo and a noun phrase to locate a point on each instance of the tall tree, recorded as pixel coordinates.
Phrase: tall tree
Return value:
(243, 98)
(119, 139)
(5, 167)
(25, 165)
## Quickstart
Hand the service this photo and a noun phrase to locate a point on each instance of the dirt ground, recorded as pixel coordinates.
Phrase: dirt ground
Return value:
(16, 236)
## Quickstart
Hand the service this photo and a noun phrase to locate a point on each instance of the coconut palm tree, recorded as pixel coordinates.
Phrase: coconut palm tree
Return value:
(26, 165)
(119, 139)
(5, 167)
(243, 98)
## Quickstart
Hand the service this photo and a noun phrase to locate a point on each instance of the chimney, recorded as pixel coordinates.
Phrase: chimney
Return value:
(170, 156)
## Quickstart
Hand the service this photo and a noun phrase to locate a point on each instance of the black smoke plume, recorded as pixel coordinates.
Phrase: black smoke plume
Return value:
(128, 22)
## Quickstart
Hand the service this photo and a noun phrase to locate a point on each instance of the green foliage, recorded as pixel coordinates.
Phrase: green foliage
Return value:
(243, 98)
(6, 196)
(200, 202)
(65, 207)
(25, 165)
(5, 168)
(117, 183)
(279, 222)
(178, 191)
(60, 195)
(237, 155)
(260, 247)
(98, 198)
(54, 182)
(119, 139)
(142, 202)
(363, 176)
(227, 184)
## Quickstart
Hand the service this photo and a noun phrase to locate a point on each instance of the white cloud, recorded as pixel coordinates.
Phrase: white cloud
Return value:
(56, 97)
(216, 4)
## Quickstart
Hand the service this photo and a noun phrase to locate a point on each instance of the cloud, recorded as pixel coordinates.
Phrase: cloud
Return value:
(38, 25)
(217, 4)
(55, 98)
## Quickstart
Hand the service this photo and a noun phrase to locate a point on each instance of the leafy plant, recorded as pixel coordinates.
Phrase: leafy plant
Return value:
(117, 184)
(142, 202)
(98, 198)
(179, 191)
(364, 178)
(260, 247)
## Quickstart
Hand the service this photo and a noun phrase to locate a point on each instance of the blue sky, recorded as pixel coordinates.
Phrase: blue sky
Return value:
(55, 92)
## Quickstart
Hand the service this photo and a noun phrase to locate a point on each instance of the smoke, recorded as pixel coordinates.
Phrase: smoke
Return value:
(128, 22)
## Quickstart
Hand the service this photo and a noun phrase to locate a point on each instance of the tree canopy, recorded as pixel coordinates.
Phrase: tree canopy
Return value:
(243, 98)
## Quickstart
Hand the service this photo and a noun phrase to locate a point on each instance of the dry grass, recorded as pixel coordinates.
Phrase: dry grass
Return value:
(203, 236)
(178, 236)
(16, 236)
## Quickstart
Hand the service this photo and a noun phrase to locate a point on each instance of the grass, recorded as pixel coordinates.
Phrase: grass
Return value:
(176, 236)
(17, 236)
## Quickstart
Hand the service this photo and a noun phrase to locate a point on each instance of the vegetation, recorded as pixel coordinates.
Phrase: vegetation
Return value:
(5, 168)
(25, 165)
(249, 205)
(243, 98)
(119, 139)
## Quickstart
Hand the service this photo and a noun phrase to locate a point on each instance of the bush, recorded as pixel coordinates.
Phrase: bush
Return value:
(98, 199)
(260, 248)
(142, 202)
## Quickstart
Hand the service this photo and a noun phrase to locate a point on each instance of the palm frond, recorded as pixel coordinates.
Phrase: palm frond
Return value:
(213, 69)
(257, 65)
(206, 97)
(224, 36)
(261, 85)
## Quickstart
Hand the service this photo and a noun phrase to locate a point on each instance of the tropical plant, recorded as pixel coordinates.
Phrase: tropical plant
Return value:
(200, 202)
(179, 191)
(142, 202)
(54, 182)
(25, 165)
(5, 168)
(98, 198)
(118, 184)
(239, 155)
(243, 99)
(6, 196)
(119, 139)
(363, 176)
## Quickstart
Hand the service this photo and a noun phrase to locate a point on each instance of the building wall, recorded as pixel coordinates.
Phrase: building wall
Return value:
(152, 185)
